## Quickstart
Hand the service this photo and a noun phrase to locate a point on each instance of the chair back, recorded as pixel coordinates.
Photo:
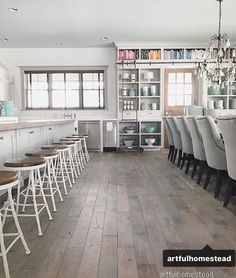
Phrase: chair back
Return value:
(185, 135)
(227, 126)
(213, 144)
(198, 148)
(175, 132)
(168, 131)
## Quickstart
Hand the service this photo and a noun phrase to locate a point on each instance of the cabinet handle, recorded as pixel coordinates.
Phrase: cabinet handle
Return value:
(1, 138)
(50, 128)
(31, 132)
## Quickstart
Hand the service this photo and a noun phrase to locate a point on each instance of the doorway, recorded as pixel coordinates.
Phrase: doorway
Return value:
(178, 92)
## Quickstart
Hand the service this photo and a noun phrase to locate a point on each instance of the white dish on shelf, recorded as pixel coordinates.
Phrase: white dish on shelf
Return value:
(150, 141)
(129, 131)
(129, 143)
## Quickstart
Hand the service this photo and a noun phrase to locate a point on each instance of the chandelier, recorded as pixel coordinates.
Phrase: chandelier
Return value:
(219, 62)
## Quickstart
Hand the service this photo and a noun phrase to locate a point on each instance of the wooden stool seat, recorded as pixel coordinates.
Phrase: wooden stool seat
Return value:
(74, 139)
(80, 136)
(68, 143)
(7, 177)
(25, 162)
(42, 153)
(55, 147)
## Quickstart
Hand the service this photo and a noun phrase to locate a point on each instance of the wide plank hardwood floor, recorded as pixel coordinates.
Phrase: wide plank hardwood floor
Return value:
(119, 216)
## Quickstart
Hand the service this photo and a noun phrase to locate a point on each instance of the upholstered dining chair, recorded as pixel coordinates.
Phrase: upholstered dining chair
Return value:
(227, 126)
(198, 148)
(177, 138)
(170, 139)
(186, 142)
(214, 149)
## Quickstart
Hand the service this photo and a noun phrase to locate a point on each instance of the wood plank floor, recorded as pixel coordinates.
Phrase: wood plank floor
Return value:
(117, 219)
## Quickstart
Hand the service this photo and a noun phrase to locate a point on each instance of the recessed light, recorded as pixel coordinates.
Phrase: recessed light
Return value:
(13, 9)
(4, 39)
(104, 38)
(60, 44)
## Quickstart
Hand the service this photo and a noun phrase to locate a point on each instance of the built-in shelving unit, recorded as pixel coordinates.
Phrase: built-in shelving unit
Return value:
(140, 105)
(222, 98)
(140, 87)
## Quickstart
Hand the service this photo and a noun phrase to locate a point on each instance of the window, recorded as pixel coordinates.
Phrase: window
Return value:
(70, 90)
(179, 88)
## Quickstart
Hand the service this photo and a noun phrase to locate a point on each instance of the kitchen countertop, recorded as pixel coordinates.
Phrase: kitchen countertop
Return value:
(33, 123)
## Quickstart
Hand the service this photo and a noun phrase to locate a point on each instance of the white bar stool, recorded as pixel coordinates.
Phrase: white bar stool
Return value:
(7, 181)
(78, 163)
(33, 165)
(84, 145)
(80, 151)
(69, 158)
(62, 173)
(49, 177)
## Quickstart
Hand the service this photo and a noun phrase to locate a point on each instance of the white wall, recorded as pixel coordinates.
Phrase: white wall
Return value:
(5, 83)
(14, 58)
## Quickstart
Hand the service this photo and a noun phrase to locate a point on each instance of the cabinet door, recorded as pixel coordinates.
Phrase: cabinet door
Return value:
(47, 135)
(28, 140)
(7, 146)
(61, 131)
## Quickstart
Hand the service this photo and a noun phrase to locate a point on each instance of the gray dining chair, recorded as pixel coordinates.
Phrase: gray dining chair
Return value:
(198, 148)
(170, 139)
(227, 126)
(214, 149)
(177, 138)
(187, 146)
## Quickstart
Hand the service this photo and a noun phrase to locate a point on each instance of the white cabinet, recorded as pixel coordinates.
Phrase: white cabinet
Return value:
(47, 134)
(28, 140)
(7, 145)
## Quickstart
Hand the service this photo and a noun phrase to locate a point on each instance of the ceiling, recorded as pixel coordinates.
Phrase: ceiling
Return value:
(82, 23)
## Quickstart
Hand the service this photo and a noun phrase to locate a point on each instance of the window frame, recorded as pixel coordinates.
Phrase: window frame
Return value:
(49, 71)
(178, 70)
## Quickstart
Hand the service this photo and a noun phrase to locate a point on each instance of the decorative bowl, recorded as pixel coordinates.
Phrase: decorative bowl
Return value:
(150, 141)
(214, 90)
(128, 143)
(150, 129)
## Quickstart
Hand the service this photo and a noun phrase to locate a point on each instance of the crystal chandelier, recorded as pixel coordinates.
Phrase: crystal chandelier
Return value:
(219, 62)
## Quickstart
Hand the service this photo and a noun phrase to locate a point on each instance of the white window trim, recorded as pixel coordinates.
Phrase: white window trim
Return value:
(64, 68)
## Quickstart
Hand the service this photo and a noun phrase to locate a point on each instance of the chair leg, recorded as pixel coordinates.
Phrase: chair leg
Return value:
(169, 154)
(229, 192)
(188, 163)
(218, 183)
(208, 177)
(175, 154)
(172, 153)
(179, 158)
(200, 172)
(194, 168)
(4, 252)
(183, 160)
